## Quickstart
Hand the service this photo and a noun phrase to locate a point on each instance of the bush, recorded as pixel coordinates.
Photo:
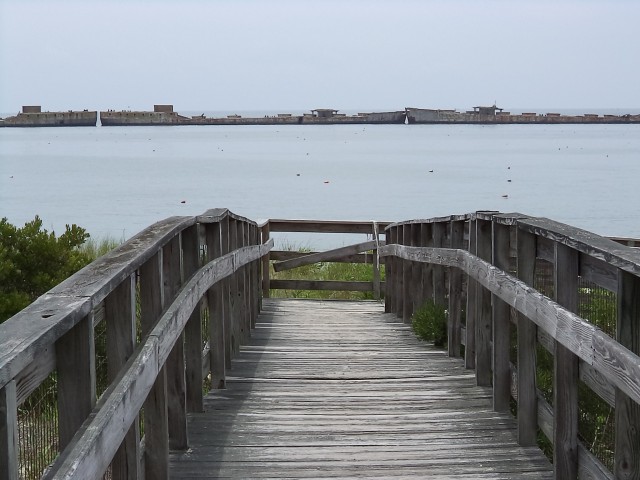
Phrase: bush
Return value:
(429, 323)
(33, 261)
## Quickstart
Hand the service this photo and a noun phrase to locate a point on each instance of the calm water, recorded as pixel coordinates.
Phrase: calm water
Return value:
(115, 181)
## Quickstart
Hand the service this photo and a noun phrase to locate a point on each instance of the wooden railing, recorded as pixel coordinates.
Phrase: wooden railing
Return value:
(356, 253)
(498, 257)
(153, 293)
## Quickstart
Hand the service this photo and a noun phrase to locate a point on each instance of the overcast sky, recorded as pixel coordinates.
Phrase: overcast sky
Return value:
(297, 54)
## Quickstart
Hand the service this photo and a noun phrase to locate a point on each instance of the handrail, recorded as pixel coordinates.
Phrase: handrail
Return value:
(137, 286)
(490, 249)
(98, 439)
(577, 334)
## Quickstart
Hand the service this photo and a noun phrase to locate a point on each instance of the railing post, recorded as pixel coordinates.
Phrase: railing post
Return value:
(390, 274)
(156, 426)
(175, 371)
(227, 302)
(266, 279)
(407, 301)
(120, 320)
(455, 292)
(243, 320)
(472, 312)
(426, 235)
(501, 313)
(217, 313)
(565, 388)
(255, 277)
(75, 362)
(8, 432)
(376, 264)
(193, 329)
(484, 313)
(416, 270)
(439, 231)
(234, 292)
(527, 340)
(400, 275)
(627, 429)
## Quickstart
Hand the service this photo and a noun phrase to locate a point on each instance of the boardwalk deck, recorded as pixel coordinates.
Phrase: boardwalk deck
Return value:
(343, 390)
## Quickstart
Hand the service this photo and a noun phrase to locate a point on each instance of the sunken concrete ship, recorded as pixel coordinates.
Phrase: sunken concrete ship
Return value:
(165, 115)
(494, 115)
(33, 116)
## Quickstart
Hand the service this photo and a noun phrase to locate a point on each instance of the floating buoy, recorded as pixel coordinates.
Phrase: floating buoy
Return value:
(326, 181)
(183, 201)
(430, 171)
(508, 180)
(505, 196)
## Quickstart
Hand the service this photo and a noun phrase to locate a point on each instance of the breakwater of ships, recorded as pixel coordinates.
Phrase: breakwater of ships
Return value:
(33, 116)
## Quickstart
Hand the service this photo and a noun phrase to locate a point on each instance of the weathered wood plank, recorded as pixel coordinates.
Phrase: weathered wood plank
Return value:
(329, 255)
(627, 429)
(565, 371)
(483, 308)
(96, 441)
(378, 403)
(8, 432)
(322, 285)
(527, 335)
(501, 324)
(324, 226)
(471, 307)
(455, 293)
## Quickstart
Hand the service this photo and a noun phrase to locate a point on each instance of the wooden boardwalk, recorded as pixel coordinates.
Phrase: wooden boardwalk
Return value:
(343, 390)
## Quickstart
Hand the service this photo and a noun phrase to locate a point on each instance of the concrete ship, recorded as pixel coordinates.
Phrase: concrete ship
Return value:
(165, 115)
(33, 116)
(495, 115)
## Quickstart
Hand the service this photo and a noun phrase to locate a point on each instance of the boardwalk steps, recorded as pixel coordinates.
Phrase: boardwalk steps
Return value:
(343, 390)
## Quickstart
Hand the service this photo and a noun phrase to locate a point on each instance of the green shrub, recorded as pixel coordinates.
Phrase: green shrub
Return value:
(429, 323)
(32, 261)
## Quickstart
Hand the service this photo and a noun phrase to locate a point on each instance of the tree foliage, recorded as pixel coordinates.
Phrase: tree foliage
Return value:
(33, 260)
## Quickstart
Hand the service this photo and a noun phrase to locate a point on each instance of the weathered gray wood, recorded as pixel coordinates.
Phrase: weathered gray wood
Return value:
(390, 275)
(329, 255)
(75, 362)
(484, 313)
(266, 288)
(227, 320)
(569, 329)
(322, 285)
(402, 409)
(234, 295)
(627, 430)
(193, 336)
(471, 309)
(360, 258)
(120, 319)
(416, 270)
(599, 272)
(35, 373)
(399, 280)
(8, 432)
(97, 440)
(323, 226)
(455, 293)
(217, 313)
(175, 367)
(426, 234)
(439, 232)
(593, 245)
(156, 430)
(407, 271)
(565, 386)
(501, 328)
(527, 335)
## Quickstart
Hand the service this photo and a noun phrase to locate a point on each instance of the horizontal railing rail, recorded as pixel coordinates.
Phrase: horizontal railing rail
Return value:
(502, 258)
(363, 252)
(170, 326)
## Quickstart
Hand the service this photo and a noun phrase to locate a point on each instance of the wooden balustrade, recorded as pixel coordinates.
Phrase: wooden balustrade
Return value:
(180, 298)
(151, 292)
(498, 258)
(357, 253)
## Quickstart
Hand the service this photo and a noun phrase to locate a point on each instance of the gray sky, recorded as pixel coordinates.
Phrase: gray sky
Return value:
(296, 55)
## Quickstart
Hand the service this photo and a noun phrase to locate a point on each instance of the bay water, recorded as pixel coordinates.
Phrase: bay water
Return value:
(115, 181)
